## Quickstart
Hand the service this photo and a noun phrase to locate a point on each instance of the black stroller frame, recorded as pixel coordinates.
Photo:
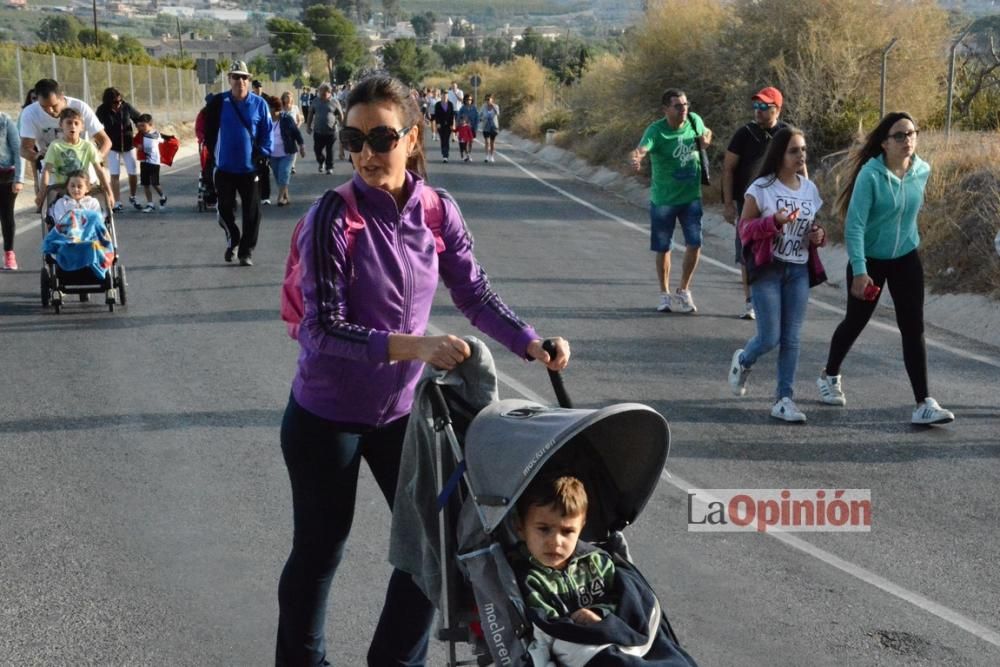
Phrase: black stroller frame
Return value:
(56, 284)
(458, 602)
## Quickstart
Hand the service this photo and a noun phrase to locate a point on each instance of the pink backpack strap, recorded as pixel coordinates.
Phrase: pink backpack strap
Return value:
(433, 215)
(352, 218)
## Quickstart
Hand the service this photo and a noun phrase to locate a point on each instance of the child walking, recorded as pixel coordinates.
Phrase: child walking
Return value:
(466, 135)
(149, 169)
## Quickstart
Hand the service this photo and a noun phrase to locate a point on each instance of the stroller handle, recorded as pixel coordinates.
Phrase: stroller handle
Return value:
(556, 377)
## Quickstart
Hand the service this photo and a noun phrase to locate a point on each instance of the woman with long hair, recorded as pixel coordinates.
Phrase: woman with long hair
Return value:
(880, 203)
(366, 307)
(779, 234)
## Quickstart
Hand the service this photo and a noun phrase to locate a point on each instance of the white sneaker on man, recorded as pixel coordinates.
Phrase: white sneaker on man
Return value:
(786, 410)
(738, 374)
(664, 306)
(830, 390)
(929, 412)
(748, 312)
(683, 302)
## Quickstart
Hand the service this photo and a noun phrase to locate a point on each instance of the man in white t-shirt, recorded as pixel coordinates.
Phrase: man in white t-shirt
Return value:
(455, 96)
(40, 123)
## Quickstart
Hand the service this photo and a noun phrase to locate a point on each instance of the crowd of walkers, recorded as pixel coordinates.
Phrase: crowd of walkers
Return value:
(767, 194)
(453, 115)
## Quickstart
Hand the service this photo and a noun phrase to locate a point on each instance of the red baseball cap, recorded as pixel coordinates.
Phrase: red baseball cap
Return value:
(770, 95)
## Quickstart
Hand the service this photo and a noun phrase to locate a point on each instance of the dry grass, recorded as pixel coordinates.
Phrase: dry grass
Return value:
(961, 215)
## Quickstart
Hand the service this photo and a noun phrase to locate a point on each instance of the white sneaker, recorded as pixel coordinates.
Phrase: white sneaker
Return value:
(748, 312)
(683, 302)
(738, 374)
(149, 208)
(929, 412)
(830, 390)
(265, 202)
(786, 410)
(664, 306)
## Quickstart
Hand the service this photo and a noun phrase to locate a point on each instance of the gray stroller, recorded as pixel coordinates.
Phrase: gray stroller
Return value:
(476, 454)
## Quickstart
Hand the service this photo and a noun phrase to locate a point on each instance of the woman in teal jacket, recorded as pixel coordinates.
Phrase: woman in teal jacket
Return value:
(880, 203)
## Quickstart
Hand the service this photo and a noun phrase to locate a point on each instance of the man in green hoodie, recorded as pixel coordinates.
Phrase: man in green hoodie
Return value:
(880, 203)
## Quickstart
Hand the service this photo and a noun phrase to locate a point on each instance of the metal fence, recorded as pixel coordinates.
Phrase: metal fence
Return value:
(169, 93)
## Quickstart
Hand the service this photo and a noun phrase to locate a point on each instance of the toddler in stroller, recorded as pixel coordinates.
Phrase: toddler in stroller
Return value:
(79, 252)
(483, 456)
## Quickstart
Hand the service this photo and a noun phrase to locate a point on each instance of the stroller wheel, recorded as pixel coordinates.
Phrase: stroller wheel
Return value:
(46, 293)
(120, 271)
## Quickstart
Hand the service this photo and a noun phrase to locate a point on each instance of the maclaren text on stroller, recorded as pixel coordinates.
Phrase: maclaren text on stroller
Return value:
(477, 454)
(58, 281)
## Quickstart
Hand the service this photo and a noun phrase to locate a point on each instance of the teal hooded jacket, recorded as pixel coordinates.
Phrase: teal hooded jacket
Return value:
(882, 215)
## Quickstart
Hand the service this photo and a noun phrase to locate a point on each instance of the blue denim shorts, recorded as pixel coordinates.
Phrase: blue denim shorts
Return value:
(663, 220)
(282, 168)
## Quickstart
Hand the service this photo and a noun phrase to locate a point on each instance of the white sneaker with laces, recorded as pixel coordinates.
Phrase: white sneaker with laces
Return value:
(929, 412)
(786, 410)
(738, 374)
(748, 312)
(664, 306)
(830, 390)
(149, 208)
(682, 302)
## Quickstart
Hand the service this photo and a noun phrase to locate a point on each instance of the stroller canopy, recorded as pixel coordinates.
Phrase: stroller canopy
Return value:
(617, 451)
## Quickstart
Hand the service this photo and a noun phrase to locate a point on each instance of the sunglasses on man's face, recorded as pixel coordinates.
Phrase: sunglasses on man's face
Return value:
(761, 106)
(382, 139)
(239, 77)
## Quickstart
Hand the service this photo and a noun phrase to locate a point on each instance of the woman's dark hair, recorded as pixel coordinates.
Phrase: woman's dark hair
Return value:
(110, 95)
(273, 102)
(30, 98)
(382, 88)
(775, 155)
(872, 147)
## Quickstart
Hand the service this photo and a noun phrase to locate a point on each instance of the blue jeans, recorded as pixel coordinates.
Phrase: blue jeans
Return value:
(663, 220)
(323, 458)
(780, 294)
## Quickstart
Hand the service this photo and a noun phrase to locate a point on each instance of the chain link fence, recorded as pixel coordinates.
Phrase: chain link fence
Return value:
(170, 94)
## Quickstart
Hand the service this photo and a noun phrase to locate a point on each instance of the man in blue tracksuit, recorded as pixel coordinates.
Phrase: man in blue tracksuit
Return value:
(238, 133)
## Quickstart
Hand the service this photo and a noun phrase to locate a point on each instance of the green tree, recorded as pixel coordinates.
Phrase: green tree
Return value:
(423, 24)
(131, 49)
(104, 39)
(59, 29)
(494, 50)
(451, 55)
(532, 44)
(405, 60)
(240, 30)
(289, 36)
(391, 10)
(335, 34)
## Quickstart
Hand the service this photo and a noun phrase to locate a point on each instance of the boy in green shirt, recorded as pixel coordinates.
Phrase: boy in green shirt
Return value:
(672, 145)
(71, 154)
(559, 575)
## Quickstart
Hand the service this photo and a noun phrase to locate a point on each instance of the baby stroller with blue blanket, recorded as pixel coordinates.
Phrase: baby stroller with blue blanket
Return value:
(84, 262)
(467, 458)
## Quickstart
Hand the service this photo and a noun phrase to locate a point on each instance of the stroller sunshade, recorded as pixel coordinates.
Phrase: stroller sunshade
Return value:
(621, 449)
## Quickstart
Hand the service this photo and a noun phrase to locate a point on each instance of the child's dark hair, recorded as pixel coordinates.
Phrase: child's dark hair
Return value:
(564, 492)
(69, 113)
(383, 88)
(79, 174)
(145, 118)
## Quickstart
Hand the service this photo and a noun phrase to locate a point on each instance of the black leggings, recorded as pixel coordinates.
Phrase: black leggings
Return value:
(905, 279)
(7, 199)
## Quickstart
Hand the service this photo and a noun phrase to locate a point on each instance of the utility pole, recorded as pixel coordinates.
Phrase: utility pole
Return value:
(94, 6)
(180, 42)
(885, 58)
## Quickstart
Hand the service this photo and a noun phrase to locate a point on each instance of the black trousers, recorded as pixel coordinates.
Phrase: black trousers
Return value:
(264, 179)
(227, 185)
(445, 134)
(7, 199)
(323, 145)
(905, 279)
(208, 181)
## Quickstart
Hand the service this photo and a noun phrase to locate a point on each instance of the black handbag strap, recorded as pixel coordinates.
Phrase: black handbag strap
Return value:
(246, 124)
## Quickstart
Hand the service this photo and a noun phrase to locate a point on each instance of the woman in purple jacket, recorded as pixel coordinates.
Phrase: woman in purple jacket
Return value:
(362, 351)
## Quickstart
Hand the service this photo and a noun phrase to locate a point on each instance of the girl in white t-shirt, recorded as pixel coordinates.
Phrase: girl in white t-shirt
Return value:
(780, 236)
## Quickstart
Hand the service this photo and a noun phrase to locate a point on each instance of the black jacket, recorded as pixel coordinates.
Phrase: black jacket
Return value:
(118, 125)
(444, 115)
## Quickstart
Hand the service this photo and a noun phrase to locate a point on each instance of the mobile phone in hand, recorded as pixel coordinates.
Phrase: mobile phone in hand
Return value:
(872, 292)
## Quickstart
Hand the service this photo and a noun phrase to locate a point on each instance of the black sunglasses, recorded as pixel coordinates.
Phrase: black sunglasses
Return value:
(382, 139)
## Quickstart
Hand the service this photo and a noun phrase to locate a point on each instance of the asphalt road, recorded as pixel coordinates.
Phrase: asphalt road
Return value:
(146, 512)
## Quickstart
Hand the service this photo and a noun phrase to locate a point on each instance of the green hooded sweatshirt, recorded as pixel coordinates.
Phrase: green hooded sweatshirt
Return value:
(882, 216)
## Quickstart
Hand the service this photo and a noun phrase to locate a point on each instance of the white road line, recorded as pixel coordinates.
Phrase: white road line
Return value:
(917, 600)
(972, 356)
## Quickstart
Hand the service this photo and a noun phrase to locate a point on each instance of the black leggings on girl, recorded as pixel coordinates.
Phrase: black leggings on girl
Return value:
(905, 279)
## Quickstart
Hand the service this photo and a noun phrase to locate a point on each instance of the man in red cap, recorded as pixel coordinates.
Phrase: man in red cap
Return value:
(739, 168)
